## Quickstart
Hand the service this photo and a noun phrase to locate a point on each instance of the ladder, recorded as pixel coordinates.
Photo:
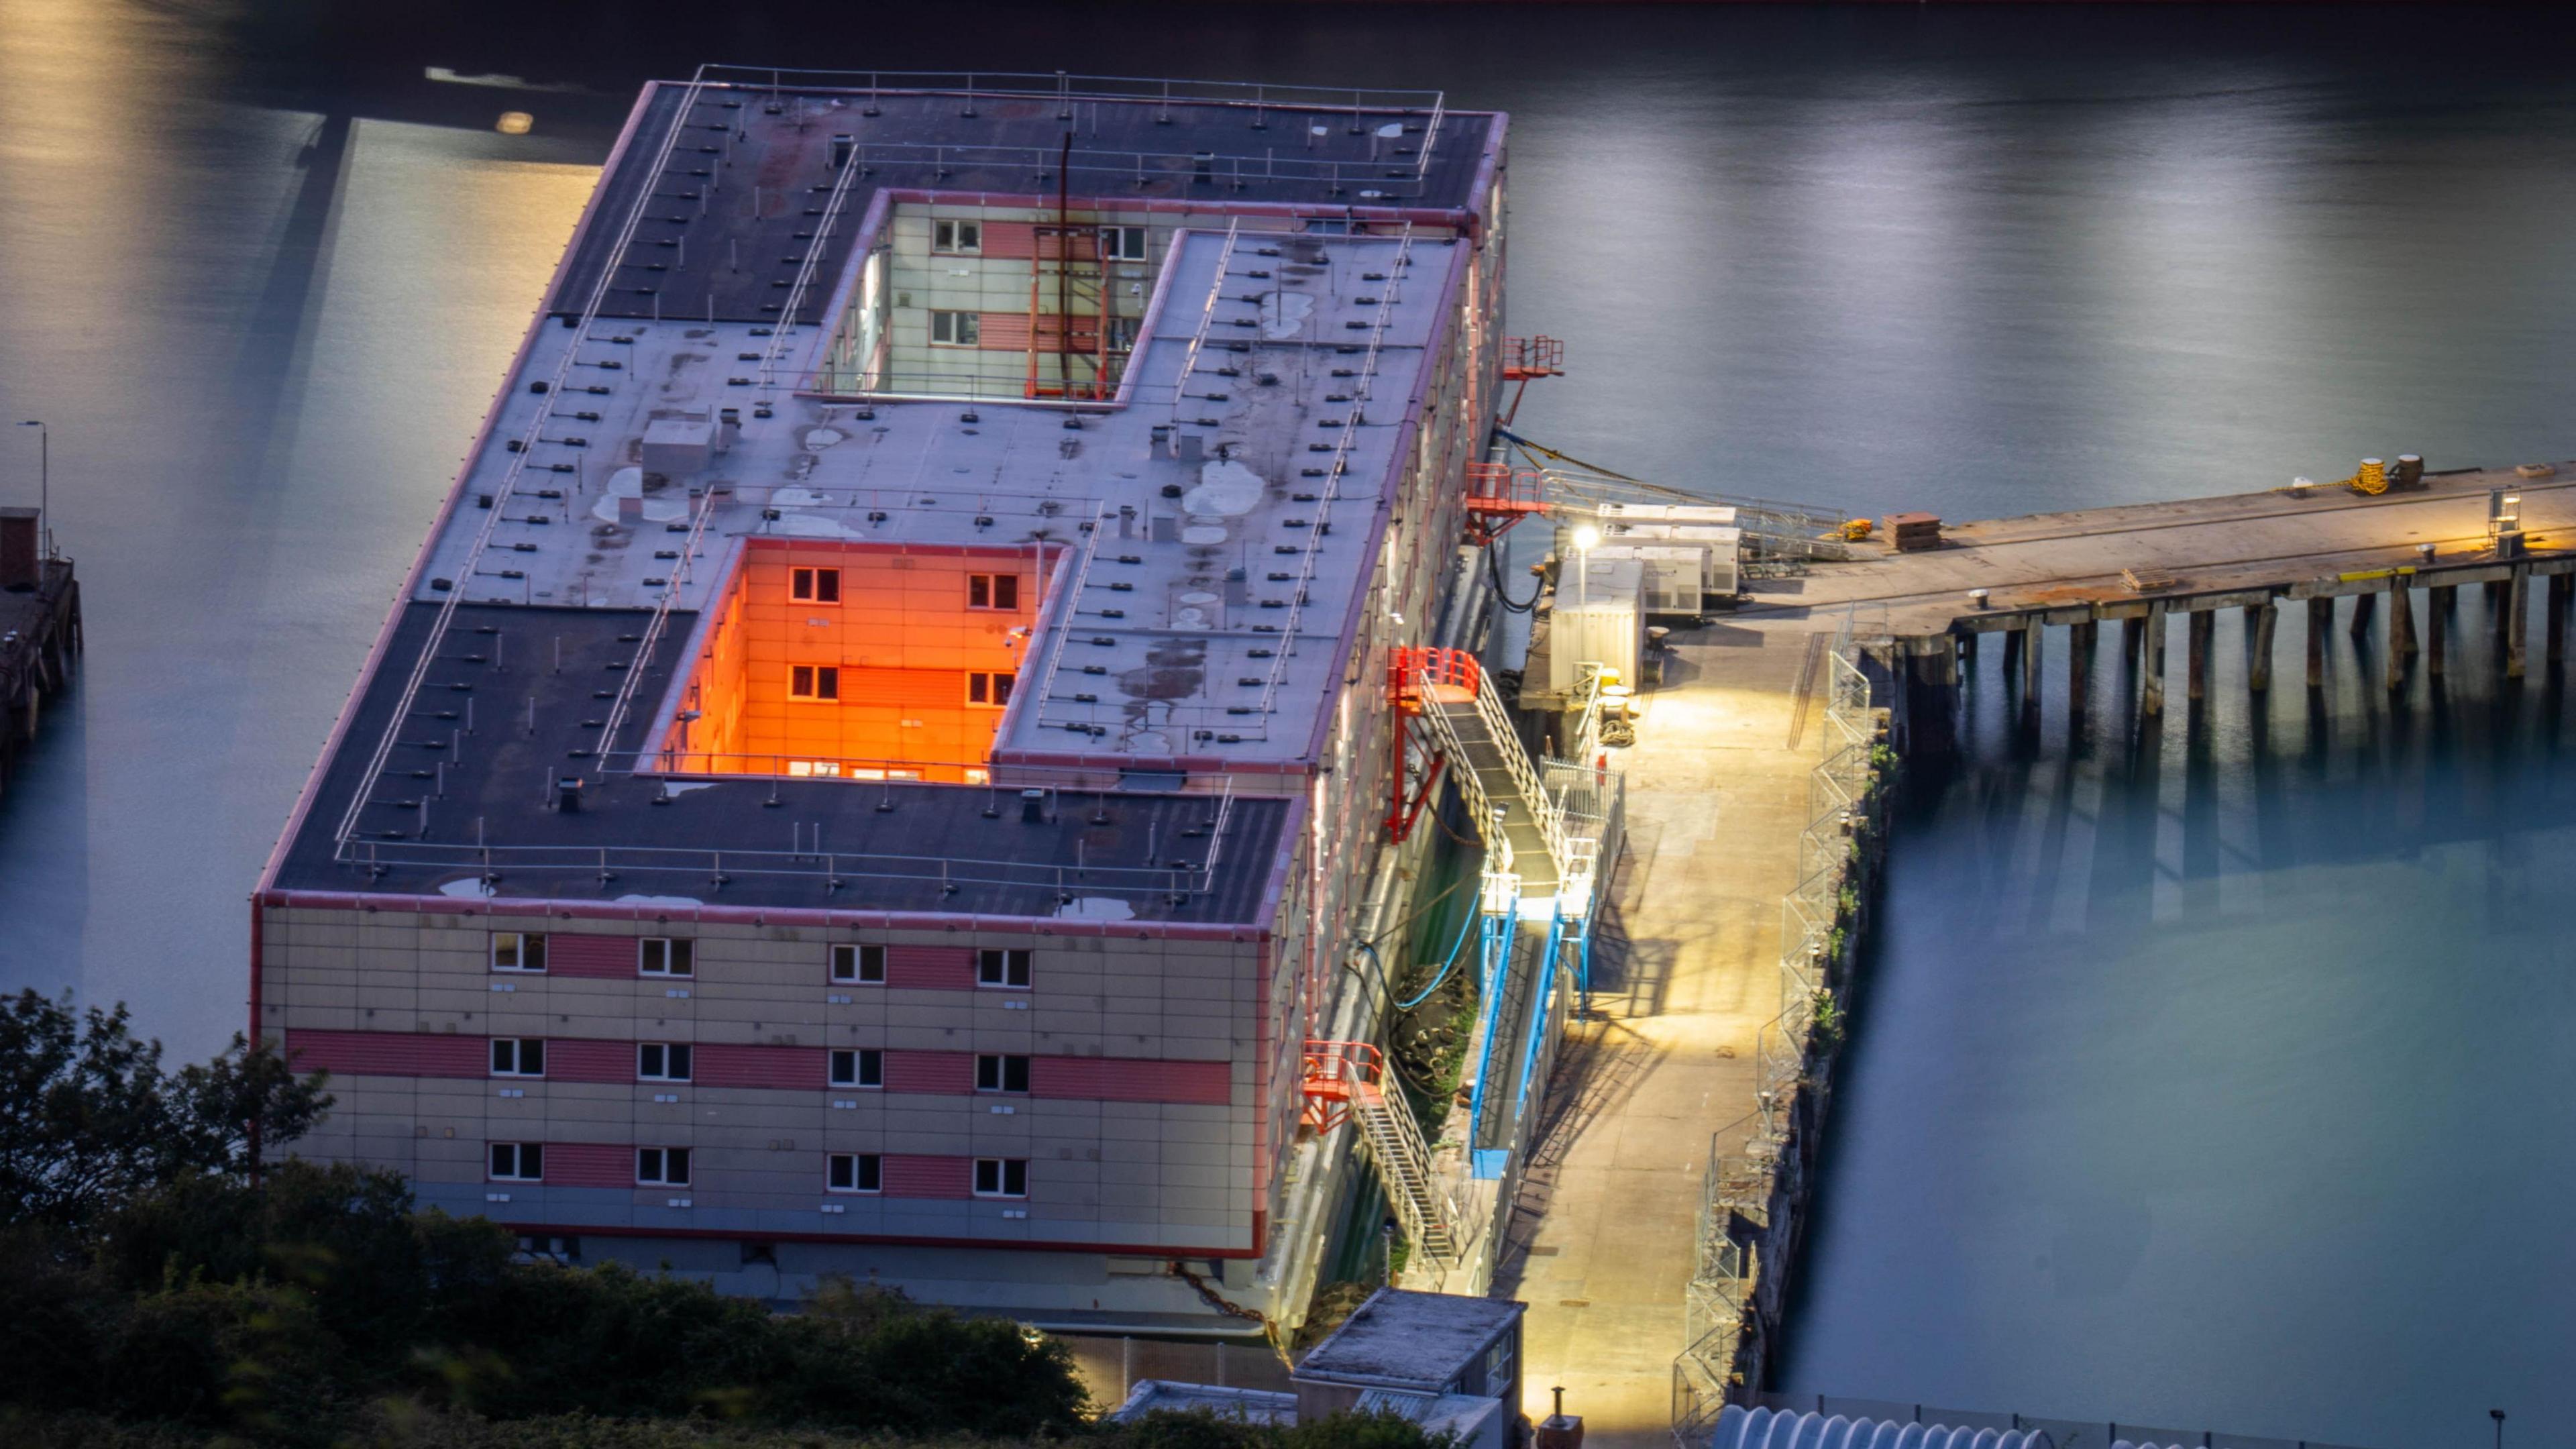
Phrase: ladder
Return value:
(1347, 1079)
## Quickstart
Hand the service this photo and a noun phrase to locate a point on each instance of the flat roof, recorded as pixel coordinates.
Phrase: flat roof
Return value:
(1419, 1341)
(1210, 531)
(750, 165)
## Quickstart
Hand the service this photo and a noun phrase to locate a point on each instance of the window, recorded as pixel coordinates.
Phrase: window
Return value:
(862, 1068)
(1001, 1177)
(667, 956)
(1001, 1074)
(814, 586)
(989, 688)
(813, 681)
(1122, 244)
(518, 1056)
(957, 236)
(803, 769)
(956, 329)
(548, 1247)
(518, 1161)
(992, 591)
(862, 964)
(662, 1166)
(518, 951)
(855, 1172)
(1006, 969)
(662, 1061)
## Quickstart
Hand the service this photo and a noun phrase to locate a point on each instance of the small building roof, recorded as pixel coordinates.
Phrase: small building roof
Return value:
(1401, 1340)
(1163, 1396)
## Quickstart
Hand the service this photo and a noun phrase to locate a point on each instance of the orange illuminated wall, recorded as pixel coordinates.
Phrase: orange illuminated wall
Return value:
(904, 637)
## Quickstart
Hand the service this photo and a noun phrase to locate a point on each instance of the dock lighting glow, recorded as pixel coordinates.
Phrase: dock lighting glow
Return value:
(1586, 536)
(515, 123)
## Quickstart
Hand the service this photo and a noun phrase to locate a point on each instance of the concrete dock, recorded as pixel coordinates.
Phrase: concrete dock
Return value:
(1686, 974)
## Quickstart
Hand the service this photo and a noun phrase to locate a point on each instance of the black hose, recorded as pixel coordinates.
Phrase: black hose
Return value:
(1503, 595)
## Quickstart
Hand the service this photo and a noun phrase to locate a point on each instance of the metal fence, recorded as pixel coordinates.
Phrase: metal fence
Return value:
(1750, 1163)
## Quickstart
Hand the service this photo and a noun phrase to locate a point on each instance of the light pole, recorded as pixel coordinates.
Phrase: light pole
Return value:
(1585, 536)
(44, 484)
(2498, 1416)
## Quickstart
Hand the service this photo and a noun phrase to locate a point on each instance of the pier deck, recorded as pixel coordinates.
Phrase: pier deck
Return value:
(2218, 552)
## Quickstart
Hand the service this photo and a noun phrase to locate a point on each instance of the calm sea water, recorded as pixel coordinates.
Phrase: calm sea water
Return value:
(2215, 1078)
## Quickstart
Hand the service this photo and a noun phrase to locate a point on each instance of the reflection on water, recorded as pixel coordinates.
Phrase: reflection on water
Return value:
(2220, 1064)
(2183, 1057)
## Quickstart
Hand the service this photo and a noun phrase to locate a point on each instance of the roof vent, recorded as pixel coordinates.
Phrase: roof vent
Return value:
(1033, 807)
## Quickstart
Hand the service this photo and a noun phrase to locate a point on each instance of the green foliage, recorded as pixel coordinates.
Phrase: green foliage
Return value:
(1825, 1021)
(88, 1118)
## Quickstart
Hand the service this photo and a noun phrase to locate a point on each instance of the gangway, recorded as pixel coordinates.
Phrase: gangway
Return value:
(1347, 1080)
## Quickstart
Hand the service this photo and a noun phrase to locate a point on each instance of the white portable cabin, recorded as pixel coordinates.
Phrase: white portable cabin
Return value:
(1674, 577)
(1598, 618)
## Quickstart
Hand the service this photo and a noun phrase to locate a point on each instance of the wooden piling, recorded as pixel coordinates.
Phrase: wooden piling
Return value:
(2517, 619)
(2258, 661)
(2401, 615)
(2198, 628)
(2151, 643)
(2030, 663)
(2080, 642)
(2132, 630)
(2437, 629)
(2562, 587)
(2320, 619)
(2363, 606)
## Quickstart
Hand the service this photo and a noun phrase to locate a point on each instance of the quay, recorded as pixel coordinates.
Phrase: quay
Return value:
(40, 631)
(1685, 1120)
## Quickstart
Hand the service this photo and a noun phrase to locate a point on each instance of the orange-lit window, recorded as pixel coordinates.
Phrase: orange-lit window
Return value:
(991, 689)
(992, 591)
(803, 768)
(813, 681)
(814, 586)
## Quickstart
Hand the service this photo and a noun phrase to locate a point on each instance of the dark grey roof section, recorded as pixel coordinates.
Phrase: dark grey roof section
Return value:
(732, 212)
(824, 844)
(1418, 1341)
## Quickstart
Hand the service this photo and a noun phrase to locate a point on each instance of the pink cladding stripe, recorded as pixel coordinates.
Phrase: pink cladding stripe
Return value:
(1114, 1079)
(788, 1068)
(388, 1053)
(939, 968)
(575, 1060)
(944, 1177)
(568, 954)
(589, 1164)
(946, 1073)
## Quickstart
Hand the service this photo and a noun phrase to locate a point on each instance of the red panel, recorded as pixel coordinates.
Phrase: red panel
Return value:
(947, 1073)
(590, 1061)
(949, 1177)
(589, 1164)
(1019, 241)
(599, 956)
(787, 1068)
(1009, 332)
(1129, 1079)
(389, 1053)
(940, 968)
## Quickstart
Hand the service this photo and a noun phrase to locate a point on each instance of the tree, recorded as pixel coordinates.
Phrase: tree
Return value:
(89, 1120)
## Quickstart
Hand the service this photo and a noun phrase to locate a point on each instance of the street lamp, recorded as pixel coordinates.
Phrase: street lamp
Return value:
(44, 483)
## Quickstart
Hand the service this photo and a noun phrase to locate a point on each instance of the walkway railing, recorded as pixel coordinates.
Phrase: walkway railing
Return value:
(2066, 1433)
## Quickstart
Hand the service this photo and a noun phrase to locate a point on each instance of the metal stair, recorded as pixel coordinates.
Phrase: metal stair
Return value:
(1347, 1078)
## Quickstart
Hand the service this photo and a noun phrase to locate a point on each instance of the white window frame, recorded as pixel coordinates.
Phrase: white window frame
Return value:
(991, 586)
(518, 1161)
(963, 329)
(851, 965)
(994, 967)
(1114, 240)
(814, 584)
(1000, 1177)
(989, 688)
(677, 958)
(859, 1059)
(863, 1165)
(679, 1052)
(821, 683)
(519, 946)
(812, 769)
(516, 1049)
(963, 238)
(993, 1073)
(669, 1166)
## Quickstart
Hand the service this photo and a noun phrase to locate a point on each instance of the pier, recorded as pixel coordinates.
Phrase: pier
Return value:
(1685, 1122)
(40, 632)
